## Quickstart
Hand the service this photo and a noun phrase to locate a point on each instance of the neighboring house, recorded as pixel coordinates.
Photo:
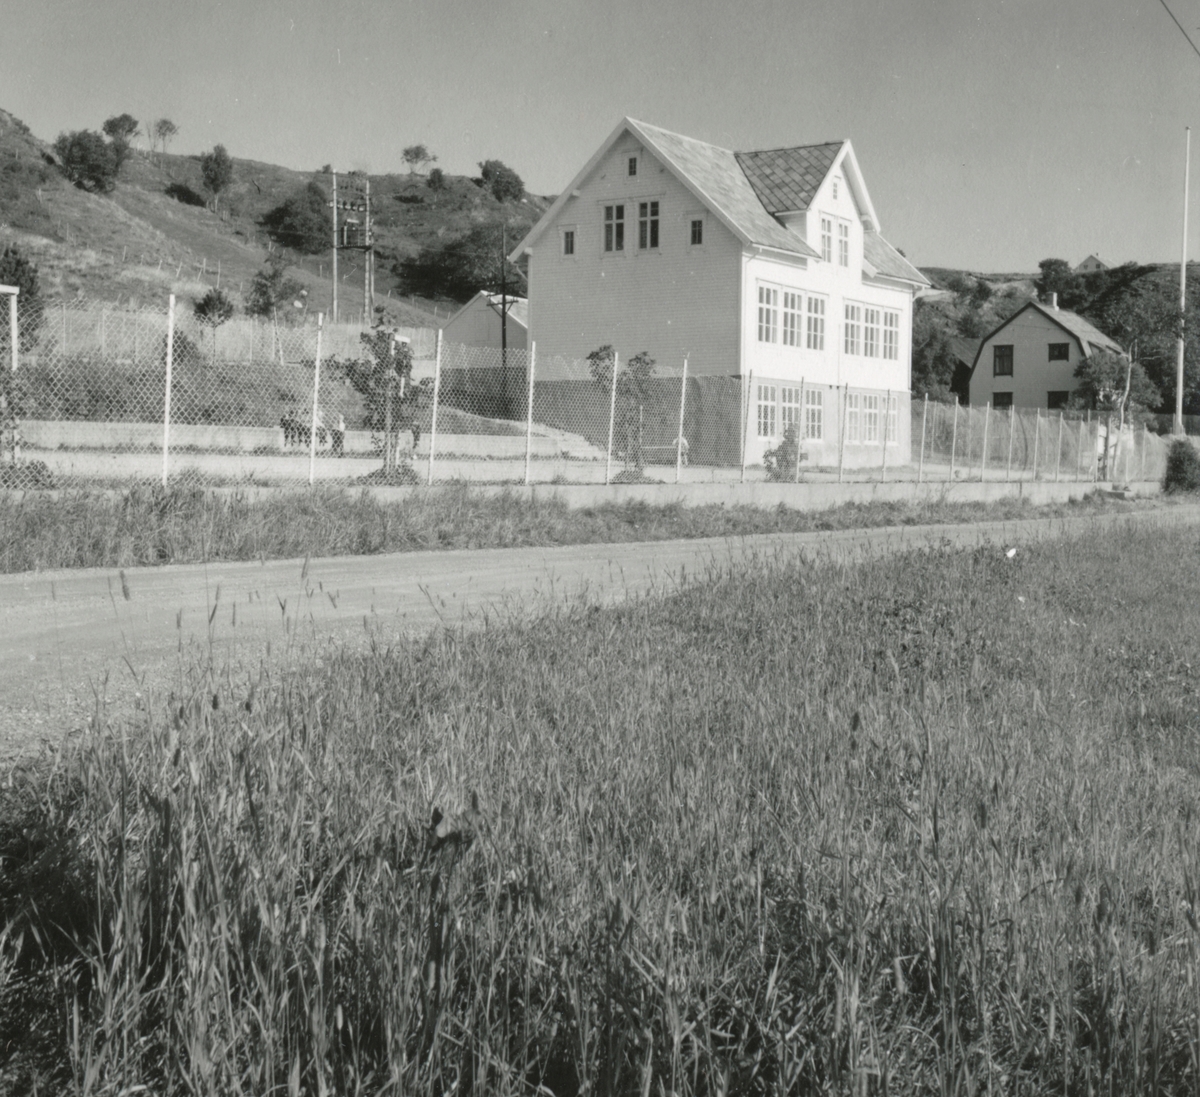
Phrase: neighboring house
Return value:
(478, 322)
(1029, 361)
(964, 351)
(1091, 264)
(764, 266)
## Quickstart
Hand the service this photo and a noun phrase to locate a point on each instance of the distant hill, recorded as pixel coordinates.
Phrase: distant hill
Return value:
(153, 235)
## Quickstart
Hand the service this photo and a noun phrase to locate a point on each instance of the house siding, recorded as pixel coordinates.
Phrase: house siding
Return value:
(478, 325)
(679, 301)
(1034, 375)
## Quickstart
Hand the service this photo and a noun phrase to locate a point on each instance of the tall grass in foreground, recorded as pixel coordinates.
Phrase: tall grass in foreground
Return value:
(927, 824)
(150, 525)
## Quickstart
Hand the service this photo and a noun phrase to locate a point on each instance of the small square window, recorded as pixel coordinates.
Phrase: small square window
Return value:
(697, 231)
(1060, 352)
(633, 165)
(569, 242)
(1001, 400)
(1057, 399)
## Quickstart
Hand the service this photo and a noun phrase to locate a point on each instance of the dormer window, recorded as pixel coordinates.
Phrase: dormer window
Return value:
(633, 165)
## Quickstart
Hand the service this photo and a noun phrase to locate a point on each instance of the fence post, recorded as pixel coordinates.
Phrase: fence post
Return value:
(746, 421)
(1058, 455)
(529, 411)
(842, 433)
(1012, 426)
(679, 438)
(953, 442)
(312, 430)
(921, 459)
(1141, 466)
(1037, 432)
(987, 414)
(167, 391)
(1079, 454)
(13, 327)
(437, 387)
(887, 408)
(612, 416)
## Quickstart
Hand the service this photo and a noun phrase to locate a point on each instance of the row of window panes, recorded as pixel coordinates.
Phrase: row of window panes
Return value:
(863, 411)
(827, 241)
(648, 222)
(871, 332)
(1056, 400)
(803, 322)
(784, 405)
(1002, 357)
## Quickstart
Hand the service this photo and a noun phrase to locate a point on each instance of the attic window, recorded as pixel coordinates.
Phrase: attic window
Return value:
(697, 231)
(633, 165)
(835, 188)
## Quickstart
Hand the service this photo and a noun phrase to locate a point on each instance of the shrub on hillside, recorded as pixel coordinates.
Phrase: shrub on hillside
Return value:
(302, 220)
(87, 160)
(1183, 467)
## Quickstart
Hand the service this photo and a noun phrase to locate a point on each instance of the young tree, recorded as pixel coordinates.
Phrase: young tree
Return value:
(417, 156)
(1116, 387)
(213, 310)
(87, 160)
(216, 168)
(121, 129)
(163, 131)
(436, 180)
(633, 395)
(1058, 277)
(504, 183)
(302, 221)
(271, 287)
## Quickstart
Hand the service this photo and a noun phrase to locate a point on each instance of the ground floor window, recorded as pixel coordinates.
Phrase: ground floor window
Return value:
(1057, 399)
(814, 414)
(789, 407)
(766, 411)
(1002, 399)
(870, 418)
(853, 417)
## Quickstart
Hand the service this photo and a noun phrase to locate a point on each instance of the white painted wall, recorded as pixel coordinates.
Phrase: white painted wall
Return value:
(1034, 375)
(676, 301)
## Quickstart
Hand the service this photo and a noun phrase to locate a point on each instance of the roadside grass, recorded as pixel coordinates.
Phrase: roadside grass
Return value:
(924, 824)
(149, 525)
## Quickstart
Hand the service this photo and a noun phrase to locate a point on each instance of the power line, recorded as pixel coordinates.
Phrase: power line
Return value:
(1195, 50)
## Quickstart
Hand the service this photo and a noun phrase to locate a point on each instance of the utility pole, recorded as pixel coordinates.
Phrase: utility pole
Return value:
(335, 248)
(368, 256)
(503, 316)
(1178, 425)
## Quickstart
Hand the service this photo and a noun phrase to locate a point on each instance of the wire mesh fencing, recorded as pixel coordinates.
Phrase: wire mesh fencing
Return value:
(102, 396)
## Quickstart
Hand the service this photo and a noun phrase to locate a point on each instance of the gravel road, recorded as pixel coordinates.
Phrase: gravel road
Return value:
(73, 640)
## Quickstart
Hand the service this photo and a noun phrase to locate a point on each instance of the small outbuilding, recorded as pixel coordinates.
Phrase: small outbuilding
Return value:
(478, 322)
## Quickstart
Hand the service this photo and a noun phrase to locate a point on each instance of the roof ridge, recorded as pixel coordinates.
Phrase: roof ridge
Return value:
(791, 148)
(681, 136)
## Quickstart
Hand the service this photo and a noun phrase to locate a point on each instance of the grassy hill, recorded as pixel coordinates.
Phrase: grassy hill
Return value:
(153, 235)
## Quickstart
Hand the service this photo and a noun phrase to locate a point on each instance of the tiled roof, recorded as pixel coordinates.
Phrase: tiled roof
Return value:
(1085, 332)
(964, 350)
(888, 261)
(715, 172)
(787, 179)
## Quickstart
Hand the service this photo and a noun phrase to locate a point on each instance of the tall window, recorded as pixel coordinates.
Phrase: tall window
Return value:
(789, 407)
(852, 343)
(871, 333)
(1002, 361)
(891, 335)
(816, 323)
(870, 418)
(647, 224)
(768, 301)
(697, 231)
(568, 242)
(614, 228)
(766, 411)
(793, 305)
(893, 408)
(853, 417)
(814, 414)
(843, 244)
(633, 165)
(827, 239)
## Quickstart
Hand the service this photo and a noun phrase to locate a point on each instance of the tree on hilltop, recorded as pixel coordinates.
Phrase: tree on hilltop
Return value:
(216, 168)
(87, 160)
(162, 130)
(121, 129)
(417, 156)
(1058, 277)
(504, 183)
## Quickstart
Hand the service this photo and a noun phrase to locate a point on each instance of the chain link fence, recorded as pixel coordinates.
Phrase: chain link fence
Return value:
(102, 396)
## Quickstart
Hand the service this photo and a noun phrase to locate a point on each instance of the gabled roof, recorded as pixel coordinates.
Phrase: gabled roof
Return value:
(1089, 337)
(745, 191)
(518, 307)
(964, 349)
(787, 180)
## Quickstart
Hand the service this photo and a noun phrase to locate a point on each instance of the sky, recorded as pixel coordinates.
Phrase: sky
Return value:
(991, 133)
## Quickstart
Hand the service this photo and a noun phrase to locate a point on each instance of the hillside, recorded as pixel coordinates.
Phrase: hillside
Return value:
(153, 235)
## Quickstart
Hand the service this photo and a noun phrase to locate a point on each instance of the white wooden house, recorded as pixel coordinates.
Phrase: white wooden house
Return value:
(767, 266)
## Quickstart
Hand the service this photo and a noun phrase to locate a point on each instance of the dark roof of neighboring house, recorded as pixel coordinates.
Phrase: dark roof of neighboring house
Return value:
(964, 349)
(786, 180)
